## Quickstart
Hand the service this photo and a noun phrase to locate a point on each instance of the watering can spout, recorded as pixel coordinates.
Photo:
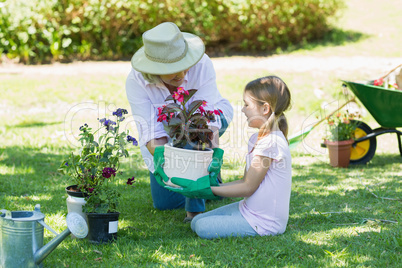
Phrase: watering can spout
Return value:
(76, 225)
(42, 253)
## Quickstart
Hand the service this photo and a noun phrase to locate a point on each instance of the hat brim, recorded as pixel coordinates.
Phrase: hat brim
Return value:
(196, 50)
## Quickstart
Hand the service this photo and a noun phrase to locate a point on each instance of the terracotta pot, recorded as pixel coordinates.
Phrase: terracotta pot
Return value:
(339, 152)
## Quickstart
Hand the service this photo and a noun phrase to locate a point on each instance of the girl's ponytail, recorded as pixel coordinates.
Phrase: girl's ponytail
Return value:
(274, 91)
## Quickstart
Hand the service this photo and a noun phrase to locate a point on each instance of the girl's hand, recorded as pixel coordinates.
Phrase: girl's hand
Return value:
(251, 181)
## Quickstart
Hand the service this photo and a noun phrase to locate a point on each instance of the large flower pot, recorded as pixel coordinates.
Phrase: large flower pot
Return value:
(186, 163)
(102, 227)
(339, 152)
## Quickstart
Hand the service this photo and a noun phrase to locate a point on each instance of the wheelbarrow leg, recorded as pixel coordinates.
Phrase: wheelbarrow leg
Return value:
(399, 142)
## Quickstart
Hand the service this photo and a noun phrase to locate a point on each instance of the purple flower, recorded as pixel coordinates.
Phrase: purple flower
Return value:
(130, 181)
(84, 127)
(90, 190)
(120, 112)
(108, 172)
(107, 123)
(132, 139)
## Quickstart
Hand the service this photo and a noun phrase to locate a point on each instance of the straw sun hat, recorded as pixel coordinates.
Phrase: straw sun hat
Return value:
(166, 50)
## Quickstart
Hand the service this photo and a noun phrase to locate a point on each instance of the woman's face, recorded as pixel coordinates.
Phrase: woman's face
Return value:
(174, 79)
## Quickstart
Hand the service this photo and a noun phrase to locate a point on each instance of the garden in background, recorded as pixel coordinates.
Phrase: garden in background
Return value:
(338, 216)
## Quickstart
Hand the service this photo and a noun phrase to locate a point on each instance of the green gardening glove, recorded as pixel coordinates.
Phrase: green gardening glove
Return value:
(215, 166)
(201, 188)
(159, 160)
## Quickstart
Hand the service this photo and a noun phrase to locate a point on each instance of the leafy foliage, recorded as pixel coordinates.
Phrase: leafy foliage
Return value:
(96, 166)
(341, 127)
(62, 30)
(187, 123)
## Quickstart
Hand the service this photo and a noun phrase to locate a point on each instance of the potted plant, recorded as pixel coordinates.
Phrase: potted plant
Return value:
(339, 138)
(93, 171)
(188, 154)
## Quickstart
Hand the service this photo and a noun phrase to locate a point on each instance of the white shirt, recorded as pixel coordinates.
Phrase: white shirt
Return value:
(267, 210)
(145, 98)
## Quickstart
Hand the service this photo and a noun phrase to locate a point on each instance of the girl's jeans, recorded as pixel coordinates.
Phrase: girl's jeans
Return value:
(222, 222)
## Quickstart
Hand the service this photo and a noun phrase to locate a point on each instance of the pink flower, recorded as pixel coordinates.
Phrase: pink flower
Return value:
(204, 103)
(217, 112)
(182, 91)
(201, 109)
(179, 97)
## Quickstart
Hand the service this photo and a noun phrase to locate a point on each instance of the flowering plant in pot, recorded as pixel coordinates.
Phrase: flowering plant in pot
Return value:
(339, 138)
(94, 168)
(186, 122)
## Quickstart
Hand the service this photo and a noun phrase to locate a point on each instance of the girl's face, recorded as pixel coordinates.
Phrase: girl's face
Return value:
(256, 113)
(174, 79)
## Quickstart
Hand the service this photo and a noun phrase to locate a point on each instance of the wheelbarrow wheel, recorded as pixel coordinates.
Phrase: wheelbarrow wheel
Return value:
(363, 151)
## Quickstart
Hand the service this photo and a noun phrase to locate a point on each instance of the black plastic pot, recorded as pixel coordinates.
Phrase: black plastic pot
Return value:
(72, 191)
(102, 227)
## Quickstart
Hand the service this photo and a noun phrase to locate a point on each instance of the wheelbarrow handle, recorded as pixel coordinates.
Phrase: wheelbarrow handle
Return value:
(340, 107)
(391, 71)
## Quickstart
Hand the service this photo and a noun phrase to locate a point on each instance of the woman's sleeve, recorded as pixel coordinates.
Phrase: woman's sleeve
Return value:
(144, 111)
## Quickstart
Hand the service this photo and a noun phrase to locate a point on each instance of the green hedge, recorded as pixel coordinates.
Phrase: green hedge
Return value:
(40, 31)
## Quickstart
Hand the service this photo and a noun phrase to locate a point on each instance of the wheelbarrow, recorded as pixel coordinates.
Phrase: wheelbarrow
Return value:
(385, 105)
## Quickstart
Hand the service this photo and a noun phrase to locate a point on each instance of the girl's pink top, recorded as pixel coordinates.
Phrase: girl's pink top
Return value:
(267, 210)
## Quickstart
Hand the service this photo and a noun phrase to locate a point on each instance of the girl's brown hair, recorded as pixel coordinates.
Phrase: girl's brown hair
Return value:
(271, 90)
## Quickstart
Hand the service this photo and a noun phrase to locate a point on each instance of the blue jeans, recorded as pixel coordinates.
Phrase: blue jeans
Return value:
(222, 222)
(164, 199)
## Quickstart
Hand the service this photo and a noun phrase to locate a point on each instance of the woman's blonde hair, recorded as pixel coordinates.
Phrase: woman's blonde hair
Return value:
(151, 78)
(271, 90)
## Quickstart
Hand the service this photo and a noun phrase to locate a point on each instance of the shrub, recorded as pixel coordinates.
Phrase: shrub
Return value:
(38, 31)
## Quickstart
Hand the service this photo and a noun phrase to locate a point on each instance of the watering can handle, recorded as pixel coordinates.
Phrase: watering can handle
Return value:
(7, 213)
(47, 227)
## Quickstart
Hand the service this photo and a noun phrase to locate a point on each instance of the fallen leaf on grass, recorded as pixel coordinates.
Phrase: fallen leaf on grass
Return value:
(97, 251)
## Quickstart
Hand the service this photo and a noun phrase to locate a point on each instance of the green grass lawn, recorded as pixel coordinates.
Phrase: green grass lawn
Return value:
(338, 217)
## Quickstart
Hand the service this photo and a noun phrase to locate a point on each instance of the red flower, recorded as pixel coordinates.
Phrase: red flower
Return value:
(379, 82)
(130, 181)
(162, 118)
(217, 112)
(108, 172)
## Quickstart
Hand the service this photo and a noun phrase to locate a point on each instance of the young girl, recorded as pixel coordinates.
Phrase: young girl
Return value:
(266, 184)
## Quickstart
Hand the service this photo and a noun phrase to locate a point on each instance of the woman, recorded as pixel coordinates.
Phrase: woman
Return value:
(170, 59)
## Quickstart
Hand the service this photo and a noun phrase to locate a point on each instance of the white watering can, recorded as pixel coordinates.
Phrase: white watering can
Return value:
(21, 237)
